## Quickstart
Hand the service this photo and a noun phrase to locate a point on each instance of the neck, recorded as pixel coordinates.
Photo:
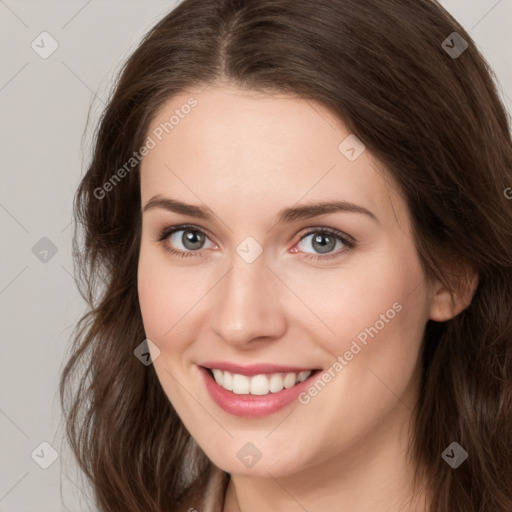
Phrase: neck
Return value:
(373, 475)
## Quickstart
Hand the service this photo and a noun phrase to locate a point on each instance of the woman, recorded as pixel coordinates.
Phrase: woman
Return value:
(298, 213)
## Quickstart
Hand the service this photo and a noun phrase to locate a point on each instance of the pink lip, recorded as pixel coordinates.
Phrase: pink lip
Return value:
(253, 369)
(253, 406)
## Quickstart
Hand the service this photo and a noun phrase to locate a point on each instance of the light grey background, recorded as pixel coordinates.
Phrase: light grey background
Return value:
(44, 105)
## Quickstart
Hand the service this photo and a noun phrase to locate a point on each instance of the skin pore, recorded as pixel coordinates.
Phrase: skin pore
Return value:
(245, 156)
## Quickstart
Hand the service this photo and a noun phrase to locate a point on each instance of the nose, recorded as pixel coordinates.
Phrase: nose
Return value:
(247, 306)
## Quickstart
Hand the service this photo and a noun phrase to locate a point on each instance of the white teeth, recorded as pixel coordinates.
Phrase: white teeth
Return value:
(276, 383)
(262, 384)
(303, 376)
(227, 381)
(290, 380)
(241, 384)
(217, 375)
(259, 385)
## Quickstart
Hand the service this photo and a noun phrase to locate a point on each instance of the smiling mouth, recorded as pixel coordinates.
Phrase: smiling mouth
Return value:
(261, 384)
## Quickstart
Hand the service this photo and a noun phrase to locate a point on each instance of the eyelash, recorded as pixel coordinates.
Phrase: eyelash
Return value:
(349, 242)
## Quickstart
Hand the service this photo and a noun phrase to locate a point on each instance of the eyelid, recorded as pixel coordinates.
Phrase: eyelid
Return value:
(331, 231)
(168, 230)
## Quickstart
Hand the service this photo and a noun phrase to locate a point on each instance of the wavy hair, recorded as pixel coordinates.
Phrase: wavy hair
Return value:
(437, 124)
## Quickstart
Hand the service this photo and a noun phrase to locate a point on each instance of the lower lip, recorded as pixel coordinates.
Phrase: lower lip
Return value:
(253, 406)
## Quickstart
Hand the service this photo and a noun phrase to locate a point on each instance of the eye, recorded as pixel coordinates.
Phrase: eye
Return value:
(190, 238)
(325, 241)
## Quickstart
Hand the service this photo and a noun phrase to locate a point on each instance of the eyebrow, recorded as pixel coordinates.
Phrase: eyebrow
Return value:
(285, 215)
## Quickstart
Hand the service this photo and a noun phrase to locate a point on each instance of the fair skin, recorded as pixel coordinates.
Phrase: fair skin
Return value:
(246, 155)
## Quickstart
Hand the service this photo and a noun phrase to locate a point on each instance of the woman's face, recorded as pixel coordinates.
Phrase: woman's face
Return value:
(257, 281)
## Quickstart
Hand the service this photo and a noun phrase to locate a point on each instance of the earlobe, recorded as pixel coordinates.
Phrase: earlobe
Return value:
(446, 303)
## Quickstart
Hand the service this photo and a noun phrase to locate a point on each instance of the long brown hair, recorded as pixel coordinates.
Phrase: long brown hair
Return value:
(436, 122)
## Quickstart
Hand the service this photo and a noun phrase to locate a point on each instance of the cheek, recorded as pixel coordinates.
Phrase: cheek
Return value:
(170, 300)
(378, 316)
(159, 299)
(379, 303)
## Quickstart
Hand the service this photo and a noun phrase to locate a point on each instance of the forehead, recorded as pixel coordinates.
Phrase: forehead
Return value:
(244, 149)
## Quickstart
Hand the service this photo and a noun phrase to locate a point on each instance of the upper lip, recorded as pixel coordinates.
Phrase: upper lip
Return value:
(253, 369)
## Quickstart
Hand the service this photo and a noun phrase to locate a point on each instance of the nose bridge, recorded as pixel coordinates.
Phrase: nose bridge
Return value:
(247, 304)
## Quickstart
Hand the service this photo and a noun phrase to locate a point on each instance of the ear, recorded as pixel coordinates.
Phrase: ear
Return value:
(446, 304)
